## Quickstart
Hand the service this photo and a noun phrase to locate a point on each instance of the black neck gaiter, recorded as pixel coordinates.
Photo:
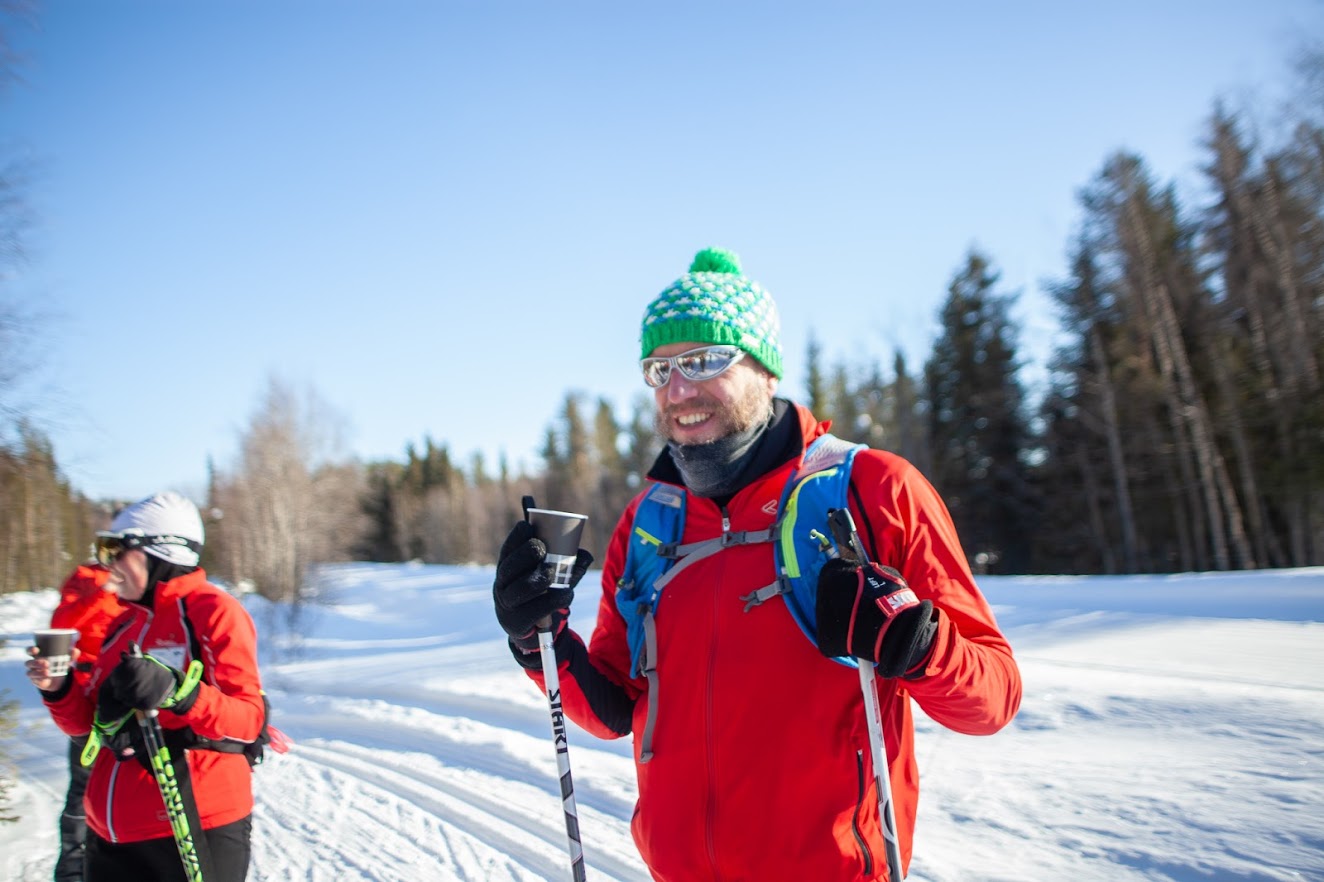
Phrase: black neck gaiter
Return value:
(158, 571)
(715, 468)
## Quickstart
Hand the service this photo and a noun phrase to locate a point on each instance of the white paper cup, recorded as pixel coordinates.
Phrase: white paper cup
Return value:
(54, 645)
(560, 532)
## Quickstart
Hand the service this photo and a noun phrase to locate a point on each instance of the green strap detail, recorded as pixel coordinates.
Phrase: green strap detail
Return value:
(789, 515)
(647, 537)
(102, 731)
(92, 748)
(190, 682)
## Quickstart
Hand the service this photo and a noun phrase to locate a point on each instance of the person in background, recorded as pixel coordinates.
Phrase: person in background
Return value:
(751, 745)
(174, 616)
(89, 602)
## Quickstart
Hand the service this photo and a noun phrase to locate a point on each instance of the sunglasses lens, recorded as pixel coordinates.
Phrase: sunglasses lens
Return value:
(704, 364)
(108, 548)
(696, 365)
(656, 372)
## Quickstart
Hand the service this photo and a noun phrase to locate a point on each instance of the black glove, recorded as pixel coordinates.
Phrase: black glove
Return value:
(523, 595)
(114, 726)
(141, 682)
(111, 711)
(870, 612)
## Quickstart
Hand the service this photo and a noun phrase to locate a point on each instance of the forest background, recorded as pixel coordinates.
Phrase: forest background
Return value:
(1181, 426)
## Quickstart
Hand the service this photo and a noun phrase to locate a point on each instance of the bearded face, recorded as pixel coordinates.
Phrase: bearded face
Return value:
(700, 412)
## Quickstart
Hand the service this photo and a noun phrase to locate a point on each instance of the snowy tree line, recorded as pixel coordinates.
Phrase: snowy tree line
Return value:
(1182, 427)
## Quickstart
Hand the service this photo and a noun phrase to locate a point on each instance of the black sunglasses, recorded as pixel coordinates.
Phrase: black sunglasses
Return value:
(110, 546)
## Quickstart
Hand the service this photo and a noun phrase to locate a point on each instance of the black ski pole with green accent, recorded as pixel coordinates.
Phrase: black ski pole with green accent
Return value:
(175, 786)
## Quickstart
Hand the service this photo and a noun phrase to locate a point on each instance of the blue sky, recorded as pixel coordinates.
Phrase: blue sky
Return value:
(441, 217)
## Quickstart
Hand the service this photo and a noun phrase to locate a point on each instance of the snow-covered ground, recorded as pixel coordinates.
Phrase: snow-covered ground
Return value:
(1172, 729)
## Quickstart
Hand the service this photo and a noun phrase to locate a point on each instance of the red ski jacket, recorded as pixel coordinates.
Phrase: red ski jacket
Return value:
(123, 802)
(761, 766)
(88, 607)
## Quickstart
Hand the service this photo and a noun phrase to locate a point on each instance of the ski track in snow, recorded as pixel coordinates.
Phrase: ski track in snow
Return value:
(474, 776)
(1158, 739)
(491, 785)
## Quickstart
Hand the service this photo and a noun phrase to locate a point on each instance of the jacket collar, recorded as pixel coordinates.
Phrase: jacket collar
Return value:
(166, 592)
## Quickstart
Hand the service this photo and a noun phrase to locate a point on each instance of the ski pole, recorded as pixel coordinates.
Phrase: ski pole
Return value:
(843, 529)
(163, 769)
(562, 753)
(552, 678)
(177, 805)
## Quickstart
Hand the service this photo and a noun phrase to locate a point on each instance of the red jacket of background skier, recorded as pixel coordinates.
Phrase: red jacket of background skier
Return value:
(89, 608)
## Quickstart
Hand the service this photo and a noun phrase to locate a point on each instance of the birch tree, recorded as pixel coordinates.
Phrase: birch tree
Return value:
(292, 500)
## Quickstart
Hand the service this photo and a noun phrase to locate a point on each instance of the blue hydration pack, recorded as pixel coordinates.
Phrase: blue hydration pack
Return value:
(802, 544)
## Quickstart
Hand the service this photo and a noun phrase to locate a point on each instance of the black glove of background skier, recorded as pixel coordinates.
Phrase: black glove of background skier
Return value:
(523, 595)
(870, 612)
(143, 683)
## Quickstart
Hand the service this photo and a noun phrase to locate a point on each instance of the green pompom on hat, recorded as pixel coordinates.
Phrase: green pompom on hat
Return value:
(715, 303)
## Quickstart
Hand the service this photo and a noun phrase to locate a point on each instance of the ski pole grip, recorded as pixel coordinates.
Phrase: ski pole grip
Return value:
(848, 540)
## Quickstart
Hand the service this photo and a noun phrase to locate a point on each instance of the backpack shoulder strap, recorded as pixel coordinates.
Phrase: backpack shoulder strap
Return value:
(655, 534)
(804, 541)
(659, 523)
(655, 555)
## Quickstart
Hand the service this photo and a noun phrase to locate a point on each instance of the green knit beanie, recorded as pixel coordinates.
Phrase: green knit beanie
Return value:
(715, 303)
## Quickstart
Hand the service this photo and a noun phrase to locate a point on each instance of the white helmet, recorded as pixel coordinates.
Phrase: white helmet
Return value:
(166, 525)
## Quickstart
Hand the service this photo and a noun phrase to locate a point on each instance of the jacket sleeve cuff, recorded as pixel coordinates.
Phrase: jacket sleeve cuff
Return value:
(56, 695)
(941, 632)
(530, 661)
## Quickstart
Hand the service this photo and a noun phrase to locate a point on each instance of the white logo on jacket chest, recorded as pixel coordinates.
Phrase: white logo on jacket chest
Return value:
(770, 507)
(170, 654)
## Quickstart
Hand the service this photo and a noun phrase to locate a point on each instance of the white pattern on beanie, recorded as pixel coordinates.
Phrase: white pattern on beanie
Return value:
(165, 514)
(715, 303)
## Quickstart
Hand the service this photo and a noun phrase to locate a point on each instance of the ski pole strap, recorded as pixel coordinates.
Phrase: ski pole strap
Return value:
(648, 662)
(92, 748)
(192, 678)
(102, 731)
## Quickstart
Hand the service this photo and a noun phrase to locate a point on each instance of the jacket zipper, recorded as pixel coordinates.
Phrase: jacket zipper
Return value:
(859, 806)
(110, 802)
(115, 769)
(712, 660)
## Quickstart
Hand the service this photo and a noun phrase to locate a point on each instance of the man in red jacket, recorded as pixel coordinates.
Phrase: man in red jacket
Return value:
(89, 602)
(751, 744)
(174, 616)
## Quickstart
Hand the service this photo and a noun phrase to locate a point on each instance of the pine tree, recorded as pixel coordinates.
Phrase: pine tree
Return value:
(976, 422)
(1086, 460)
(642, 442)
(814, 384)
(613, 487)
